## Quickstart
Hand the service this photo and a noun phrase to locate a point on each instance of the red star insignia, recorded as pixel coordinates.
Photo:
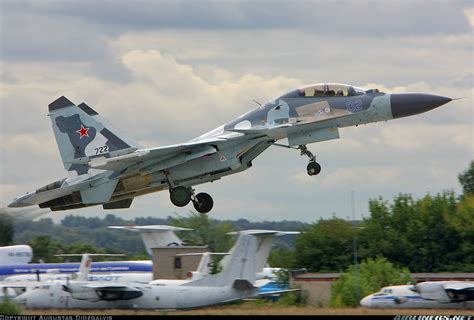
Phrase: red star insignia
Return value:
(83, 132)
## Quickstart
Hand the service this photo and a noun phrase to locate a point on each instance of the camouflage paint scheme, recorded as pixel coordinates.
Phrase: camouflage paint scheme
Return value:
(107, 168)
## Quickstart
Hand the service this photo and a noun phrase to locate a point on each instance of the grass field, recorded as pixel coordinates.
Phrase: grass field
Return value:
(258, 310)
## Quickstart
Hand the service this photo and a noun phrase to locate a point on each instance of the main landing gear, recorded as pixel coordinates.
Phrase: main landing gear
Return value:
(181, 196)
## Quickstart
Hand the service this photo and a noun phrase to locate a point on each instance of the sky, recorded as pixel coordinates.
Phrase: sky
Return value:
(165, 72)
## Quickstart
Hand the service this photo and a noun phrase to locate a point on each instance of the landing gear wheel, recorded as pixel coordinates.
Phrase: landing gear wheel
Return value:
(180, 196)
(313, 168)
(203, 203)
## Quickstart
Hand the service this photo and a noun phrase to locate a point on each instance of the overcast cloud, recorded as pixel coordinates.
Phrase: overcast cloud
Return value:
(165, 72)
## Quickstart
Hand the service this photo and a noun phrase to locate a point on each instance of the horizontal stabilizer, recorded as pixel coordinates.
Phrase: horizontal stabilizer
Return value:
(202, 253)
(122, 204)
(156, 235)
(155, 227)
(264, 232)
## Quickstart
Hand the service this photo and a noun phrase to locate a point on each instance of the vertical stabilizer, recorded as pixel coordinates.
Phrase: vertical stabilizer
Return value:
(86, 263)
(241, 269)
(264, 240)
(81, 134)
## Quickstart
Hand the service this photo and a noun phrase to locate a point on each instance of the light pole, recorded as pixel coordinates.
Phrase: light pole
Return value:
(354, 248)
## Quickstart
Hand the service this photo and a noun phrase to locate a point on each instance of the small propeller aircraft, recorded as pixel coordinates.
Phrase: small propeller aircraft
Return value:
(107, 168)
(427, 295)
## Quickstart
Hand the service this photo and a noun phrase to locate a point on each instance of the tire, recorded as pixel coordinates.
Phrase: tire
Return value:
(313, 168)
(203, 203)
(180, 196)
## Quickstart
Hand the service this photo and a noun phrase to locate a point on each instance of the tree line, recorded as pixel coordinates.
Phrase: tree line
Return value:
(431, 234)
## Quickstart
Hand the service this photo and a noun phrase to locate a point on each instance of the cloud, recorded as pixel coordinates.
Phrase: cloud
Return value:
(349, 18)
(165, 75)
(313, 57)
(167, 102)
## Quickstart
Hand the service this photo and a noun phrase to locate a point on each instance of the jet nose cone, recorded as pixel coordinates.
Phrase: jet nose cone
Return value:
(407, 104)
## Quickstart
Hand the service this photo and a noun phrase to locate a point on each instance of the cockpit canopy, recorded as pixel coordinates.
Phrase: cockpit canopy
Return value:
(326, 90)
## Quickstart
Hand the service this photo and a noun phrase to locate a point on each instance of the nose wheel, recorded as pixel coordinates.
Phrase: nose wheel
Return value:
(313, 168)
(181, 196)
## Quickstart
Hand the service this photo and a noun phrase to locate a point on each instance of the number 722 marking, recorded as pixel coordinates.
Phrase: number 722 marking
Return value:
(102, 149)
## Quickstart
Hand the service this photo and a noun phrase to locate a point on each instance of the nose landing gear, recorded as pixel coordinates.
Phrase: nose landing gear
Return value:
(313, 168)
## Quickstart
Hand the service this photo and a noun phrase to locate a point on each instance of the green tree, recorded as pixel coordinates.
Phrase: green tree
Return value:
(462, 223)
(325, 246)
(205, 231)
(413, 233)
(44, 248)
(369, 277)
(6, 230)
(467, 179)
(10, 308)
(281, 257)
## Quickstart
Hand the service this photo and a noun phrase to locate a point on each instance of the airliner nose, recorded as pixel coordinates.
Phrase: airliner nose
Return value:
(365, 302)
(407, 104)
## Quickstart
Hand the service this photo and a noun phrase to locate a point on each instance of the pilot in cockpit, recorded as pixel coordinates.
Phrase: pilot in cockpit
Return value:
(351, 91)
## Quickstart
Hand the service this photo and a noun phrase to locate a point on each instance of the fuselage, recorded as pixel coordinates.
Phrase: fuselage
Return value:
(404, 296)
(97, 268)
(306, 115)
(52, 295)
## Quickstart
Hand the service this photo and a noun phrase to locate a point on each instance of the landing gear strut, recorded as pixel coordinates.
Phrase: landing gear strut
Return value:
(181, 196)
(313, 168)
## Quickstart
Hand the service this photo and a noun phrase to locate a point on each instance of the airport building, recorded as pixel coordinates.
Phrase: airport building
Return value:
(169, 264)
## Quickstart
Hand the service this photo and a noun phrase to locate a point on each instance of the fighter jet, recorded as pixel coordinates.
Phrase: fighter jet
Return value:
(107, 168)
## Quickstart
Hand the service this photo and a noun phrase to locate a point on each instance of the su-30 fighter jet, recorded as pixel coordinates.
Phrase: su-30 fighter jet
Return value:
(107, 168)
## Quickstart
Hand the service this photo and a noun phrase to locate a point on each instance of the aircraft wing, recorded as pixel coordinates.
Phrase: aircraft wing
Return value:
(276, 292)
(189, 151)
(114, 291)
(267, 288)
(460, 291)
